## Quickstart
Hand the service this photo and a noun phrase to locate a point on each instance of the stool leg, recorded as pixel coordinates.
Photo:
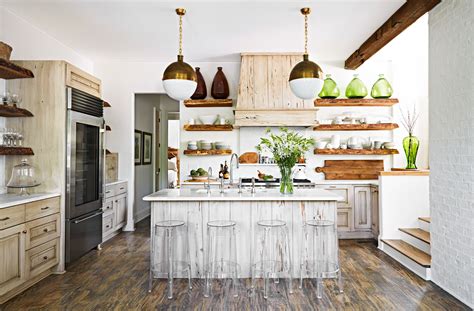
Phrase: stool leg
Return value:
(152, 247)
(303, 254)
(207, 290)
(234, 259)
(170, 263)
(265, 273)
(319, 288)
(190, 285)
(288, 254)
(340, 285)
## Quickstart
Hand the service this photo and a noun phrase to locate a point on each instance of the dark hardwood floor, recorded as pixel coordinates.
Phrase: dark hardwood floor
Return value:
(115, 278)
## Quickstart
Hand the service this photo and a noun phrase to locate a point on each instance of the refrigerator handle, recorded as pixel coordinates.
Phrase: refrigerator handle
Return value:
(88, 217)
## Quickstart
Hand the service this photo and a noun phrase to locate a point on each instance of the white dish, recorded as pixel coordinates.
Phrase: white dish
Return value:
(210, 119)
(199, 178)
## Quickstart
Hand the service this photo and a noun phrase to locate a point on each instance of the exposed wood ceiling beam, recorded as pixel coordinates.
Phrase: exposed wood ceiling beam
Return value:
(406, 15)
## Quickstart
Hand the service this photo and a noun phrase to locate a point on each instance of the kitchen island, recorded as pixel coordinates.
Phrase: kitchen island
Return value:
(196, 207)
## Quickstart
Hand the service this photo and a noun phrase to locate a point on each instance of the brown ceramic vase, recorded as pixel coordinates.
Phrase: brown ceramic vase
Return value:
(220, 87)
(201, 91)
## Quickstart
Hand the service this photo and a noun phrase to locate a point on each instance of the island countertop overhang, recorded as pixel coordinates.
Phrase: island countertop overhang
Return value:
(179, 195)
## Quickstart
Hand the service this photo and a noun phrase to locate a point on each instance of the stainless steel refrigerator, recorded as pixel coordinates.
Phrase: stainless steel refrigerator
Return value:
(84, 173)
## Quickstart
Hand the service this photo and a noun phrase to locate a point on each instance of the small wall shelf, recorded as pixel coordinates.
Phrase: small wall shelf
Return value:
(16, 151)
(12, 112)
(362, 102)
(106, 104)
(208, 127)
(207, 152)
(356, 151)
(356, 127)
(203, 103)
(108, 128)
(9, 70)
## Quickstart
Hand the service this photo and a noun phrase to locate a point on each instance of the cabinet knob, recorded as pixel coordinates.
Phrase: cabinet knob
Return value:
(45, 257)
(6, 218)
(44, 208)
(24, 231)
(45, 230)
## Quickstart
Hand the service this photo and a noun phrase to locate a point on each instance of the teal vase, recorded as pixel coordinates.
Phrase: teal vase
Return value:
(410, 146)
(330, 89)
(356, 88)
(381, 88)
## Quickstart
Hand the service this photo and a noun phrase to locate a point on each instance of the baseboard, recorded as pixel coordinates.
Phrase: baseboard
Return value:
(144, 214)
(21, 288)
(463, 300)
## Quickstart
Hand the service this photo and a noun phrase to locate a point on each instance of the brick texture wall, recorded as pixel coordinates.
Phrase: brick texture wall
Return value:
(451, 112)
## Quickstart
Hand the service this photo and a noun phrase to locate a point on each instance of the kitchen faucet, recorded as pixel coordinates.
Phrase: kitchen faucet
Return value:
(231, 177)
(209, 174)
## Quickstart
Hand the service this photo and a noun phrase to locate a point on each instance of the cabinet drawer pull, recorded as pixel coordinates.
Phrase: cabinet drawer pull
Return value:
(45, 230)
(45, 257)
(121, 188)
(6, 218)
(108, 226)
(107, 192)
(44, 208)
(25, 232)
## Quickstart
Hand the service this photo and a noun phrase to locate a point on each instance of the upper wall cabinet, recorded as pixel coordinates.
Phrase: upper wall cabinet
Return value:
(83, 81)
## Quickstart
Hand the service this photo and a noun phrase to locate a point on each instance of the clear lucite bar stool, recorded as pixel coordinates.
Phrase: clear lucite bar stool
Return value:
(221, 255)
(273, 255)
(320, 253)
(169, 253)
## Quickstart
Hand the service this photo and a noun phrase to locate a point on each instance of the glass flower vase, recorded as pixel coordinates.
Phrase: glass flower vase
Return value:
(286, 181)
(410, 146)
(381, 88)
(356, 88)
(330, 89)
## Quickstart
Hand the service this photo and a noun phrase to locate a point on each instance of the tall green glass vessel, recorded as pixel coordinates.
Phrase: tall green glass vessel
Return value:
(330, 89)
(356, 88)
(381, 88)
(410, 146)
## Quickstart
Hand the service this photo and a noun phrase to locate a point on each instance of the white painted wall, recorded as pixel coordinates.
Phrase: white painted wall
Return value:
(174, 129)
(451, 69)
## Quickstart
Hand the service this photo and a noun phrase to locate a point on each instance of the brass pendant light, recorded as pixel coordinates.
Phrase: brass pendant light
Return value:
(306, 77)
(179, 78)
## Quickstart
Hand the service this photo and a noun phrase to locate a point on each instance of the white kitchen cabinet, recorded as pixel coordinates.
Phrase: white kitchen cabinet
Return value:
(344, 191)
(12, 250)
(120, 210)
(362, 208)
(344, 219)
(115, 209)
(375, 210)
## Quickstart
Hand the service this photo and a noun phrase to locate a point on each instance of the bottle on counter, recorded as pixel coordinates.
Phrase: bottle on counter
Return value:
(221, 172)
(226, 171)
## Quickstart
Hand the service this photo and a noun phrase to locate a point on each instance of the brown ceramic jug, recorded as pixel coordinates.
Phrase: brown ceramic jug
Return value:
(201, 91)
(220, 87)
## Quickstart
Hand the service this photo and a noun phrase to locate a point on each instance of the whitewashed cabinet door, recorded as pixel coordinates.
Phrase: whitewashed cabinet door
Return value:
(362, 208)
(375, 210)
(12, 257)
(120, 209)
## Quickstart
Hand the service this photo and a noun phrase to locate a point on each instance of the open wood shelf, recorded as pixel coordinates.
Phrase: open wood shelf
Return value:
(208, 127)
(203, 103)
(9, 70)
(12, 112)
(16, 151)
(356, 127)
(362, 102)
(356, 151)
(207, 152)
(106, 104)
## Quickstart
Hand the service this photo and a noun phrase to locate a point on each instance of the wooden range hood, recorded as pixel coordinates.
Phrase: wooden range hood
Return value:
(265, 97)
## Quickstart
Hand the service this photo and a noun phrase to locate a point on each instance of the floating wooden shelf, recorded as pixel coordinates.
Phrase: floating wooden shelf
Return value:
(363, 102)
(108, 128)
(106, 104)
(202, 103)
(207, 127)
(207, 152)
(11, 112)
(16, 151)
(356, 127)
(356, 151)
(9, 70)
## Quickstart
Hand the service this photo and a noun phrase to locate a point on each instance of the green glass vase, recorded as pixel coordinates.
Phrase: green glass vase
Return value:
(356, 88)
(330, 89)
(381, 88)
(411, 145)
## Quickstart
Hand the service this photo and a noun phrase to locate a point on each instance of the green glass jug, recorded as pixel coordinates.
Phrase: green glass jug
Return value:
(330, 89)
(381, 88)
(356, 88)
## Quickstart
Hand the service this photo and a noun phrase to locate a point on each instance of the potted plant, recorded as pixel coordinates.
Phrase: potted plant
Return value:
(287, 148)
(411, 142)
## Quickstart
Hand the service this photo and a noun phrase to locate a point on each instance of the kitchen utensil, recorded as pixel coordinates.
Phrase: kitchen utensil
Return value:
(378, 144)
(388, 145)
(248, 157)
(355, 142)
(222, 121)
(351, 169)
(321, 144)
(24, 176)
(335, 141)
(367, 144)
(300, 173)
(209, 119)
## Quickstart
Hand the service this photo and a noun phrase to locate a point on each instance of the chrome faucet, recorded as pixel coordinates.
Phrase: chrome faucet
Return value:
(209, 174)
(221, 185)
(240, 185)
(232, 157)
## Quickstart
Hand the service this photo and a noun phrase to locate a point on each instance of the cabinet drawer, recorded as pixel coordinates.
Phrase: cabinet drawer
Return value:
(42, 230)
(120, 188)
(41, 208)
(12, 216)
(108, 206)
(345, 191)
(42, 258)
(344, 219)
(108, 224)
(109, 191)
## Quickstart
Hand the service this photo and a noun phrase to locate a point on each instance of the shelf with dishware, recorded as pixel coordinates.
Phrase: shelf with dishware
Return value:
(208, 127)
(356, 127)
(13, 112)
(211, 152)
(355, 102)
(11, 150)
(355, 151)
(206, 103)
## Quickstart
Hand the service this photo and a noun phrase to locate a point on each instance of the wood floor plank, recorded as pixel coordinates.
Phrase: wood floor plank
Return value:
(418, 233)
(116, 278)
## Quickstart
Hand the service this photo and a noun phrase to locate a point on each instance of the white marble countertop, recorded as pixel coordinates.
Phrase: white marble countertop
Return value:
(233, 195)
(9, 200)
(373, 182)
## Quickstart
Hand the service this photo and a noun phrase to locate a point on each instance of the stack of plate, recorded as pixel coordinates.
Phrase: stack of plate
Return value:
(220, 145)
(205, 145)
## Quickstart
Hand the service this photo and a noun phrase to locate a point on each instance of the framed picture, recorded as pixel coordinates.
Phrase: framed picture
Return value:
(138, 147)
(147, 148)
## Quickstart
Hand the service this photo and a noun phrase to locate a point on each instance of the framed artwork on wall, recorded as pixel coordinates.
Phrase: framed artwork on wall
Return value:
(138, 147)
(147, 148)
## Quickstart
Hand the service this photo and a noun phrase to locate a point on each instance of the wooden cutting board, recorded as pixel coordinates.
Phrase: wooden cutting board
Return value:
(351, 169)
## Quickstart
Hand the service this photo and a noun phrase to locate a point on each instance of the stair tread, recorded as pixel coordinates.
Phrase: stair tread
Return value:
(410, 251)
(418, 233)
(425, 219)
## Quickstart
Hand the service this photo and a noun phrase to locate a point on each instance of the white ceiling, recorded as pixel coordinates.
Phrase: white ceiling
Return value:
(213, 30)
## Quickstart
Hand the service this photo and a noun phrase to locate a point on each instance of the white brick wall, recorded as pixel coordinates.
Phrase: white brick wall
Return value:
(451, 92)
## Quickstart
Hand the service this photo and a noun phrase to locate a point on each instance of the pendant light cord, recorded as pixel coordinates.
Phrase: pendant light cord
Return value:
(180, 52)
(306, 34)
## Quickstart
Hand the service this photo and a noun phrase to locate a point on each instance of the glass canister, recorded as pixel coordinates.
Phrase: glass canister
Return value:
(356, 88)
(330, 89)
(381, 88)
(24, 176)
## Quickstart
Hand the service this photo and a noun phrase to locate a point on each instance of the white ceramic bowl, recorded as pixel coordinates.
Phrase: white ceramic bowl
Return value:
(210, 119)
(321, 144)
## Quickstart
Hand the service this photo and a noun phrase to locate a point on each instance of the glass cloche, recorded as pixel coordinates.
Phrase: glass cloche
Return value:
(24, 176)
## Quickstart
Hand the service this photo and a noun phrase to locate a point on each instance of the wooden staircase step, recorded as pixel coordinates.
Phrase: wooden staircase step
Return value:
(417, 233)
(418, 256)
(425, 219)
